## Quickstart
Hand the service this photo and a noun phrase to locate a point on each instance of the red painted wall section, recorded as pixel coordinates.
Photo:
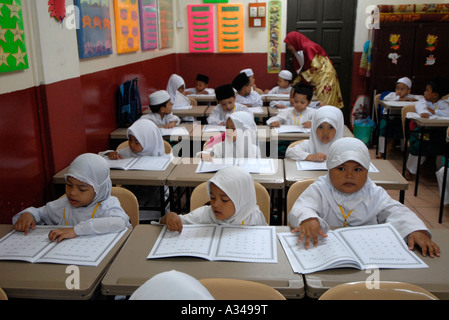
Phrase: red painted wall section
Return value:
(360, 84)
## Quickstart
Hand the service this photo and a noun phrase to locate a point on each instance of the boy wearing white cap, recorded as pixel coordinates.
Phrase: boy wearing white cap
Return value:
(284, 80)
(161, 110)
(252, 81)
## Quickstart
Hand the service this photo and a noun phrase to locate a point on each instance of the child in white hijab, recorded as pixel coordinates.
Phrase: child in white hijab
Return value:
(347, 197)
(145, 139)
(88, 206)
(176, 89)
(327, 127)
(240, 140)
(233, 202)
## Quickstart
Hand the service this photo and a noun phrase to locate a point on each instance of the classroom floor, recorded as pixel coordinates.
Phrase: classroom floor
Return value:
(427, 203)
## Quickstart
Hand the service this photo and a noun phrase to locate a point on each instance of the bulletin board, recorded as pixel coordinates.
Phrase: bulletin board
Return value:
(201, 28)
(127, 25)
(167, 32)
(230, 27)
(94, 31)
(274, 36)
(148, 24)
(13, 52)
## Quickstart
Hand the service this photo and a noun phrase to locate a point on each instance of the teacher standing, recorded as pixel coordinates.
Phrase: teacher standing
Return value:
(315, 68)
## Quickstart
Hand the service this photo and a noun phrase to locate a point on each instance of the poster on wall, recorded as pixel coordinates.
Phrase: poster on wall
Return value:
(148, 24)
(201, 28)
(94, 31)
(274, 37)
(166, 30)
(13, 52)
(230, 27)
(126, 25)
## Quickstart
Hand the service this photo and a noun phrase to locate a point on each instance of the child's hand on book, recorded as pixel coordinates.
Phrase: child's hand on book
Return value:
(172, 221)
(310, 229)
(25, 222)
(422, 239)
(61, 234)
(114, 155)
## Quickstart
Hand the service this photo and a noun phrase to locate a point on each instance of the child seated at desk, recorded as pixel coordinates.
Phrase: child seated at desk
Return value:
(88, 206)
(244, 95)
(233, 202)
(161, 110)
(432, 104)
(285, 78)
(176, 90)
(240, 139)
(347, 197)
(300, 114)
(226, 105)
(201, 85)
(327, 127)
(252, 80)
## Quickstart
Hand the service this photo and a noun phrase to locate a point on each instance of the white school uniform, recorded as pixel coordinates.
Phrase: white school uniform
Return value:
(156, 118)
(103, 215)
(279, 90)
(370, 205)
(286, 103)
(253, 99)
(329, 114)
(239, 187)
(291, 117)
(218, 115)
(193, 91)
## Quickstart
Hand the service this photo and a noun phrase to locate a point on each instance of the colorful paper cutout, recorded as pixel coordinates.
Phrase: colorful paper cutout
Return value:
(13, 53)
(94, 32)
(148, 24)
(395, 41)
(126, 25)
(167, 32)
(201, 28)
(57, 9)
(274, 36)
(230, 27)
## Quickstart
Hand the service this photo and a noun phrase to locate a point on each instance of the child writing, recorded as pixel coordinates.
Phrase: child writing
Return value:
(232, 202)
(88, 206)
(240, 139)
(285, 78)
(300, 114)
(161, 110)
(245, 96)
(432, 104)
(226, 105)
(347, 197)
(327, 127)
(201, 85)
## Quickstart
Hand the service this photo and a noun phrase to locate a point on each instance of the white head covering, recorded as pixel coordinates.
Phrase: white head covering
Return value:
(238, 185)
(149, 137)
(158, 97)
(246, 144)
(331, 115)
(176, 97)
(405, 81)
(348, 149)
(172, 285)
(285, 74)
(248, 72)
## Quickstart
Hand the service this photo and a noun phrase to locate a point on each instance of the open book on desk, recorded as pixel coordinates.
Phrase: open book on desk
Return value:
(141, 163)
(252, 165)
(365, 247)
(177, 131)
(292, 129)
(218, 243)
(37, 247)
(304, 165)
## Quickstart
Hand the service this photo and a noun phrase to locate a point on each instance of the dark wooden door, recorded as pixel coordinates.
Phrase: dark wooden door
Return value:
(330, 23)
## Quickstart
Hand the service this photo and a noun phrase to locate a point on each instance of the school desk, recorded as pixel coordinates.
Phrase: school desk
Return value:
(120, 133)
(263, 133)
(203, 98)
(123, 277)
(294, 136)
(195, 111)
(388, 177)
(25, 280)
(434, 279)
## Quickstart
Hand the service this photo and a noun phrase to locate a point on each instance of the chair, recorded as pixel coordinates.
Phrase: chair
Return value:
(167, 146)
(3, 295)
(129, 203)
(404, 111)
(235, 289)
(291, 145)
(295, 191)
(193, 101)
(387, 291)
(200, 197)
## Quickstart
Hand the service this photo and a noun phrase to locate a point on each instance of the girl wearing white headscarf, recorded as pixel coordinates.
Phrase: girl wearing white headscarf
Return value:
(314, 149)
(241, 143)
(327, 207)
(103, 215)
(238, 185)
(177, 98)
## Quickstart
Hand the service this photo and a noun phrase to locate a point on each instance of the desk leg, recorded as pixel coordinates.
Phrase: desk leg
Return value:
(418, 170)
(443, 190)
(387, 131)
(402, 196)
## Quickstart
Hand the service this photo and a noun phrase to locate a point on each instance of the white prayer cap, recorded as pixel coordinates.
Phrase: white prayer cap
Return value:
(248, 72)
(172, 285)
(159, 97)
(285, 74)
(405, 81)
(348, 149)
